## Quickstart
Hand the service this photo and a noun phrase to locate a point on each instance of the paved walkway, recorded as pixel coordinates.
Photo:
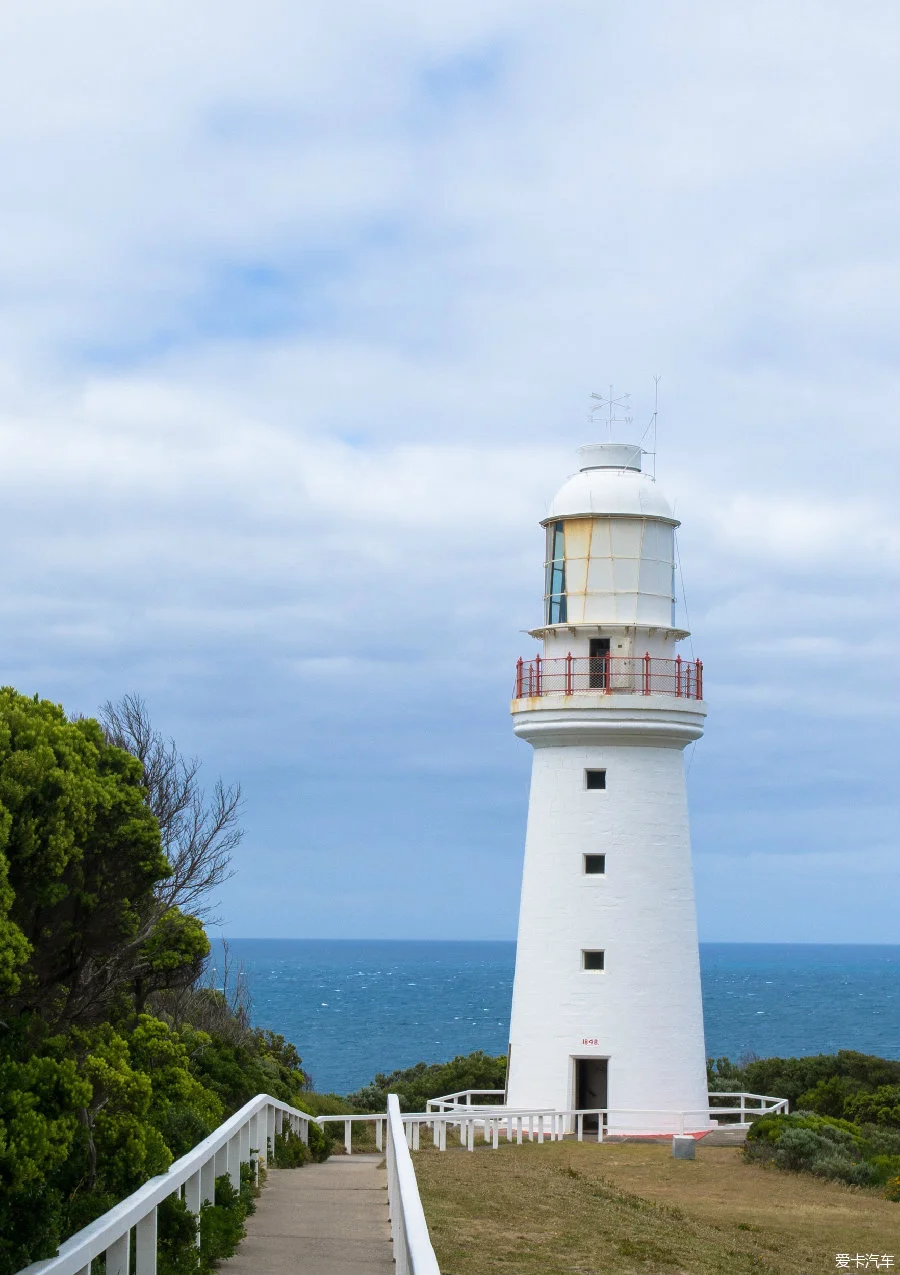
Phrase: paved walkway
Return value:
(329, 1218)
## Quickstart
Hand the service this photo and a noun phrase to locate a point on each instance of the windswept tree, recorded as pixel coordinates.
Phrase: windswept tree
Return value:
(199, 829)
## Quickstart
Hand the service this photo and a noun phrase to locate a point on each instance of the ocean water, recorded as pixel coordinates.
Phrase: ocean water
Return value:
(357, 1007)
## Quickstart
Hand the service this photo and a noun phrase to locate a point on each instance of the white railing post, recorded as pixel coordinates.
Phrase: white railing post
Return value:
(118, 1254)
(208, 1182)
(245, 1142)
(145, 1244)
(257, 1143)
(234, 1160)
(192, 1200)
(348, 1136)
(379, 1134)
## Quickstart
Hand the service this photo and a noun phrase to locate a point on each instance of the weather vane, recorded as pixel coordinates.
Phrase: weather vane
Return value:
(612, 403)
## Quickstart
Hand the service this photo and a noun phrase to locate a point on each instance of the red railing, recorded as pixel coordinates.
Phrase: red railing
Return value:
(614, 674)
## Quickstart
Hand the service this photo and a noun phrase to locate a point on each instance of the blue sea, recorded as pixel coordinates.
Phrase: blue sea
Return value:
(354, 1008)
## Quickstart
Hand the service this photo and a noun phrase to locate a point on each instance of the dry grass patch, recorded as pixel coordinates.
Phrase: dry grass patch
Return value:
(630, 1209)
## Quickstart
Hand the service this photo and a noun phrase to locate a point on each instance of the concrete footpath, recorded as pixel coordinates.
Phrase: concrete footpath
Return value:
(330, 1218)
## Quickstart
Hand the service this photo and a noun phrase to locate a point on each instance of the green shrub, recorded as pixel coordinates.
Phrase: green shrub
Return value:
(222, 1223)
(323, 1104)
(841, 1168)
(881, 1141)
(886, 1167)
(892, 1190)
(881, 1107)
(321, 1141)
(769, 1130)
(800, 1148)
(290, 1150)
(830, 1097)
(177, 1252)
(415, 1085)
(829, 1148)
(249, 1189)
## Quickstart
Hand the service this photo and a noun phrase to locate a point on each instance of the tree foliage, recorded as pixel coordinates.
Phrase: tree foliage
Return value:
(828, 1084)
(415, 1085)
(81, 854)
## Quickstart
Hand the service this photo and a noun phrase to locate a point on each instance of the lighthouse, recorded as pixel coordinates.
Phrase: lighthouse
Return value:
(606, 1009)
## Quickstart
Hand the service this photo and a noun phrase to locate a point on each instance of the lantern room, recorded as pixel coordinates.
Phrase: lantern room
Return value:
(609, 567)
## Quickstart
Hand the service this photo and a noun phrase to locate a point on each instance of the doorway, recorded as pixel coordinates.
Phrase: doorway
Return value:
(591, 1086)
(598, 662)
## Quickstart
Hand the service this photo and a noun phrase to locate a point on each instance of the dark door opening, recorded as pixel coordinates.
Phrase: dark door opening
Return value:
(591, 1076)
(598, 663)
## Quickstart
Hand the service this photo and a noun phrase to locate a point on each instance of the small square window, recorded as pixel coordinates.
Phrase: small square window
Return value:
(595, 779)
(595, 864)
(592, 960)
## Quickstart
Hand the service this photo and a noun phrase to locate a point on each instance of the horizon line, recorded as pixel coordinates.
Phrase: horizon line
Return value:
(285, 938)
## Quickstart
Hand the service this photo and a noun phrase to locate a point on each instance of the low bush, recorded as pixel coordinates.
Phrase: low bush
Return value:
(324, 1104)
(801, 1149)
(321, 1142)
(880, 1107)
(290, 1152)
(770, 1129)
(881, 1141)
(415, 1085)
(177, 1252)
(222, 1223)
(887, 1167)
(840, 1168)
(826, 1147)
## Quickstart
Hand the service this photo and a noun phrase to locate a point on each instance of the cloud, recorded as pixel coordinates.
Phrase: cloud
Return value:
(302, 306)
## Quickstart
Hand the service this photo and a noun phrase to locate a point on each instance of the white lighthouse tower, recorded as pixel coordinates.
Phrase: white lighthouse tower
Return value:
(606, 1008)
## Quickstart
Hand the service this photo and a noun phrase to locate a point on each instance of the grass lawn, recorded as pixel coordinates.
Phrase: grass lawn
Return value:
(630, 1209)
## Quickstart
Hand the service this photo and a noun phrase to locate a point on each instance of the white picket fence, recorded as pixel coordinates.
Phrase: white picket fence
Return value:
(751, 1107)
(126, 1235)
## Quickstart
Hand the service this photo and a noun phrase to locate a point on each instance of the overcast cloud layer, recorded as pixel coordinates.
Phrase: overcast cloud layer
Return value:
(300, 310)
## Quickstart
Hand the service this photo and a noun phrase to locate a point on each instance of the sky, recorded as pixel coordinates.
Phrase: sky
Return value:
(301, 308)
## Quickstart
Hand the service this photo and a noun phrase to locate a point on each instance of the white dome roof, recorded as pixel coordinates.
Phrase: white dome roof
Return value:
(610, 488)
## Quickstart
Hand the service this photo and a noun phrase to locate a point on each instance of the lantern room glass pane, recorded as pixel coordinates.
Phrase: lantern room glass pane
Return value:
(555, 585)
